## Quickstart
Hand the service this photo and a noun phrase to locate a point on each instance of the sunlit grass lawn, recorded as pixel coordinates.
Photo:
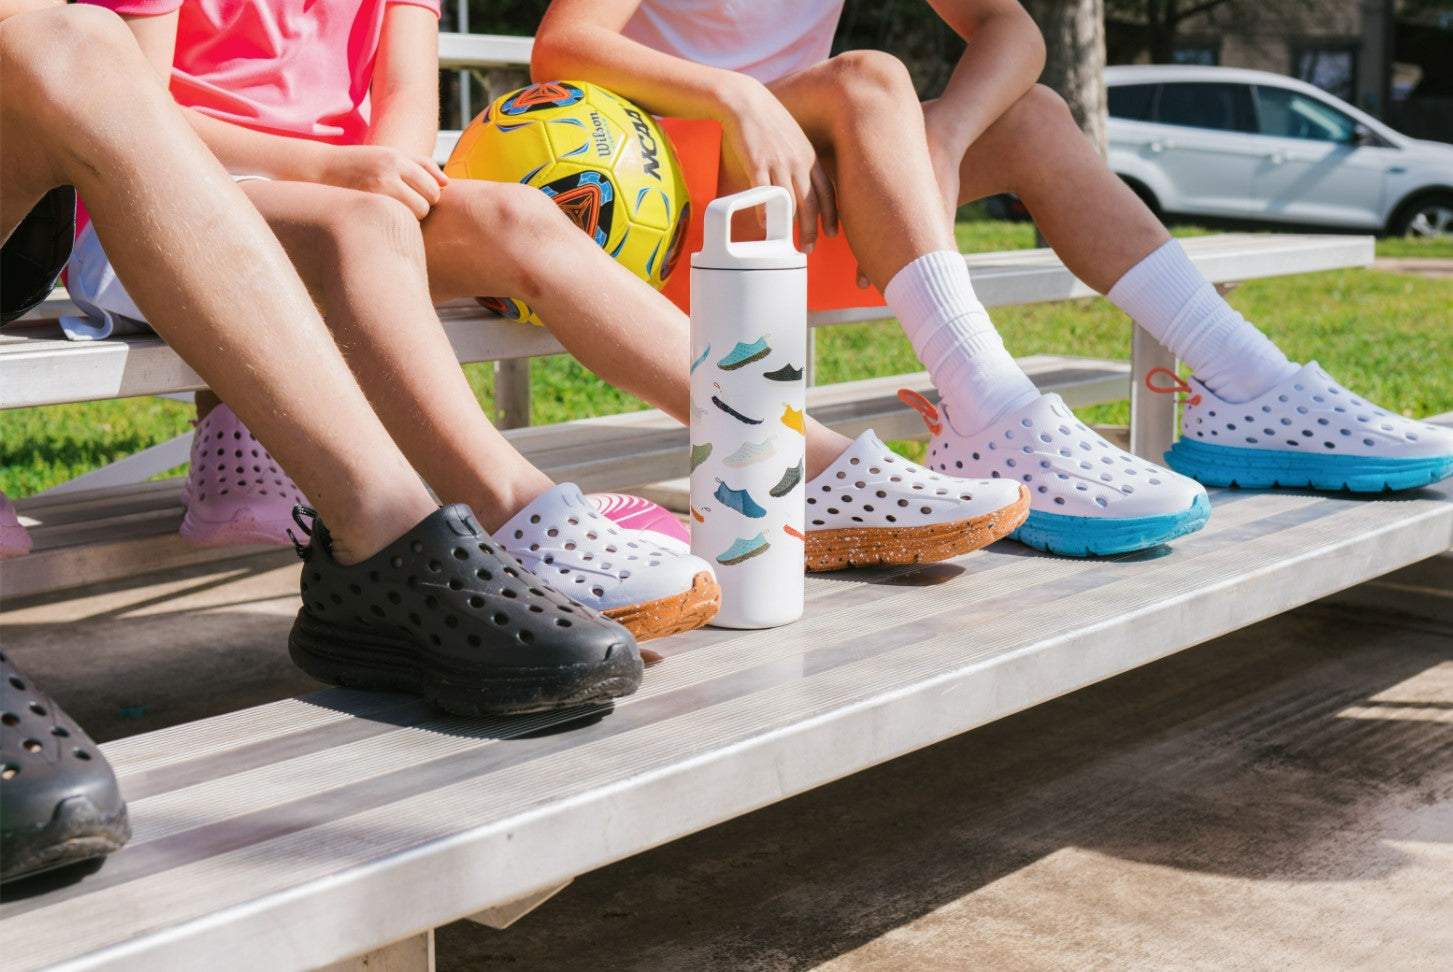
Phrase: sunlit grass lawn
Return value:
(1386, 335)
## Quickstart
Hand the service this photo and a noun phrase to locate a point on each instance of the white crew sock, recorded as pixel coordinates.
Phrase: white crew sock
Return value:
(1165, 294)
(954, 338)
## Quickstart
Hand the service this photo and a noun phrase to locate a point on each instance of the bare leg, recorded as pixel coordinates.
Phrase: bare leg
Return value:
(89, 113)
(485, 238)
(362, 253)
(1096, 224)
(489, 238)
(860, 111)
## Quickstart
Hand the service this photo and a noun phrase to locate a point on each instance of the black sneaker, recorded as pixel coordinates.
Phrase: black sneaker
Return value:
(59, 802)
(445, 613)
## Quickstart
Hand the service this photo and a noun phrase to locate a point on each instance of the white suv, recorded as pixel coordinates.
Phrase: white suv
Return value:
(1234, 144)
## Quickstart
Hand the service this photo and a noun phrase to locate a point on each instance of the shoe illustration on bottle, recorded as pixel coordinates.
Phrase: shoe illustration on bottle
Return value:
(697, 363)
(699, 454)
(750, 453)
(739, 500)
(792, 418)
(785, 373)
(744, 548)
(788, 482)
(744, 354)
(717, 401)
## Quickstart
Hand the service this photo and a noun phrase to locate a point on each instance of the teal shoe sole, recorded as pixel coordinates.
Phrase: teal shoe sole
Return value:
(1217, 465)
(1090, 536)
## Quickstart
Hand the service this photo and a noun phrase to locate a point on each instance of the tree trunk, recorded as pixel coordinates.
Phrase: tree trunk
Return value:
(1074, 35)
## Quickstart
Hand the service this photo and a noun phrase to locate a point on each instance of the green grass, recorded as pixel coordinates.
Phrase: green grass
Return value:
(1386, 335)
(1399, 246)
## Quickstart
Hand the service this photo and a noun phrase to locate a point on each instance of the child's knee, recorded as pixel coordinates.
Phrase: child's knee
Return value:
(1031, 130)
(509, 211)
(1040, 109)
(64, 59)
(355, 220)
(871, 78)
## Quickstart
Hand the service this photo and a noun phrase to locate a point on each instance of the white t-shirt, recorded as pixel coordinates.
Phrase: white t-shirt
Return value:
(767, 39)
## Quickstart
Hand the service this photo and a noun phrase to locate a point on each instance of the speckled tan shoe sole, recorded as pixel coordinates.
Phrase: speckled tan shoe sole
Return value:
(671, 615)
(867, 546)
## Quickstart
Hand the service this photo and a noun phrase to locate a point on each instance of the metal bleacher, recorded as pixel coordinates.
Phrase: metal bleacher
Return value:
(337, 829)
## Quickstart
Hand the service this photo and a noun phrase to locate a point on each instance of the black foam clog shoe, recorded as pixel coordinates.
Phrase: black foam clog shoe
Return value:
(59, 801)
(443, 612)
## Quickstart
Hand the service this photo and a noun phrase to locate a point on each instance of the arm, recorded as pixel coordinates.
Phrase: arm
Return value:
(405, 89)
(762, 144)
(242, 150)
(1004, 58)
(239, 149)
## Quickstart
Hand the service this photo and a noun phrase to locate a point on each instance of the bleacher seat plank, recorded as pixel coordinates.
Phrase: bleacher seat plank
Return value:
(39, 368)
(93, 536)
(264, 839)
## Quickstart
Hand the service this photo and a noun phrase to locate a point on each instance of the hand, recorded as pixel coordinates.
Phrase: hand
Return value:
(947, 156)
(414, 181)
(762, 145)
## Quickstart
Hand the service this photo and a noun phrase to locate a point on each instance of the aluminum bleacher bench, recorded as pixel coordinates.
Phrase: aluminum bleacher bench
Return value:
(99, 526)
(278, 837)
(338, 829)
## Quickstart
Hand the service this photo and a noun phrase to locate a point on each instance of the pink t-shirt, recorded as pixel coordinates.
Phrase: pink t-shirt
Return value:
(286, 67)
(766, 39)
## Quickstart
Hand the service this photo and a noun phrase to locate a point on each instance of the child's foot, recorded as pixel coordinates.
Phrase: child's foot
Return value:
(1085, 495)
(872, 506)
(1307, 432)
(443, 612)
(623, 574)
(639, 513)
(235, 491)
(14, 541)
(60, 802)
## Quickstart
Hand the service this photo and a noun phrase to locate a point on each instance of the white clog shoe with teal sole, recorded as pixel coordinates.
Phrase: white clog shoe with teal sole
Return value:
(1086, 497)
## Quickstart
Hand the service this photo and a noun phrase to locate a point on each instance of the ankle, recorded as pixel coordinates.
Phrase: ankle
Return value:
(824, 446)
(206, 400)
(495, 502)
(370, 527)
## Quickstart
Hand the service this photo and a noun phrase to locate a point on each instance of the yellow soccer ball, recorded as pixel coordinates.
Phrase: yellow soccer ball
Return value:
(604, 161)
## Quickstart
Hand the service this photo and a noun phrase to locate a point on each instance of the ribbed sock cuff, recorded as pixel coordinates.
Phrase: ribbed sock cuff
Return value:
(1156, 288)
(954, 338)
(1165, 294)
(936, 285)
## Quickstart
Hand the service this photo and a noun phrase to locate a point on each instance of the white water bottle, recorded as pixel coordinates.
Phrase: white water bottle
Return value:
(748, 401)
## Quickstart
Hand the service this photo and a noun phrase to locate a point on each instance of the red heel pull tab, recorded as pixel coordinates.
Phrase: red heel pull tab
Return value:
(1177, 385)
(923, 407)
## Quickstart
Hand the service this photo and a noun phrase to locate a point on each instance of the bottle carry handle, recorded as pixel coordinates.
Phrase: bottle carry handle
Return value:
(717, 246)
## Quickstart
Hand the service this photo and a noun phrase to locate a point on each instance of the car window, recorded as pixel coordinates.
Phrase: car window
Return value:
(1226, 107)
(1291, 114)
(1131, 101)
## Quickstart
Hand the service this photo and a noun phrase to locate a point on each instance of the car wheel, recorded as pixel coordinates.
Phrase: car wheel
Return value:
(1429, 217)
